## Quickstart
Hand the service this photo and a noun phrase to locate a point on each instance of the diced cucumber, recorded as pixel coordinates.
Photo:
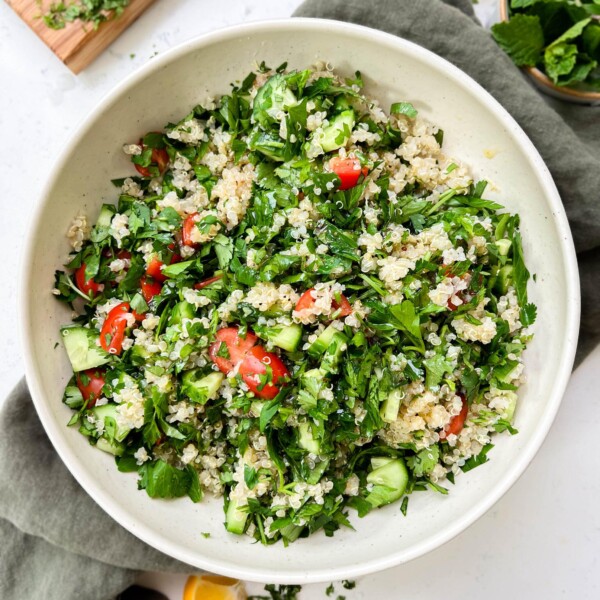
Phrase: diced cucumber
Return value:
(139, 355)
(182, 310)
(268, 143)
(503, 246)
(286, 337)
(107, 212)
(291, 532)
(509, 412)
(342, 102)
(338, 132)
(504, 279)
(333, 354)
(112, 431)
(199, 387)
(82, 348)
(272, 98)
(317, 472)
(391, 406)
(110, 446)
(306, 439)
(379, 461)
(256, 408)
(389, 482)
(313, 381)
(235, 519)
(322, 342)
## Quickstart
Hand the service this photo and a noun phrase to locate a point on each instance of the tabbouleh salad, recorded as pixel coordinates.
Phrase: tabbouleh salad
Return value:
(298, 303)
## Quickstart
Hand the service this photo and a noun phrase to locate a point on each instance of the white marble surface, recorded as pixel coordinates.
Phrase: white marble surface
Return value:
(542, 540)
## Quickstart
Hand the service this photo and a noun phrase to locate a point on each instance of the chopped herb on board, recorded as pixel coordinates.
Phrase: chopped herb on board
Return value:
(88, 12)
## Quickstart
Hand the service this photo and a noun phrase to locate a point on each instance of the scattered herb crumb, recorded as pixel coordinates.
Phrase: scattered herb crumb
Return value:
(279, 592)
(205, 534)
(349, 585)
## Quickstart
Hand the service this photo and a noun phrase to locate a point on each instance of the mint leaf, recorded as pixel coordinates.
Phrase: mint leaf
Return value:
(573, 32)
(521, 38)
(591, 41)
(560, 59)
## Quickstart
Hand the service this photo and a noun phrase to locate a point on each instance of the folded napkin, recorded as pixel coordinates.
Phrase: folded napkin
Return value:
(56, 543)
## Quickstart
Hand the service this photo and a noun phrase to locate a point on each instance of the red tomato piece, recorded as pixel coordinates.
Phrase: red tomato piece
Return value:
(348, 170)
(263, 372)
(207, 282)
(90, 384)
(113, 330)
(237, 348)
(457, 422)
(88, 286)
(124, 254)
(188, 227)
(159, 157)
(154, 269)
(307, 301)
(150, 288)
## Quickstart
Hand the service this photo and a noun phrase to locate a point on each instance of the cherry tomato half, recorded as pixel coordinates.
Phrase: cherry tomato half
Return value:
(150, 287)
(90, 384)
(113, 330)
(307, 301)
(348, 170)
(154, 268)
(88, 286)
(263, 372)
(207, 282)
(457, 422)
(159, 157)
(188, 229)
(237, 348)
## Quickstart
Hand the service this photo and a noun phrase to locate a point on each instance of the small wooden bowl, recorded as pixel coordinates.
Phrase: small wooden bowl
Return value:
(545, 84)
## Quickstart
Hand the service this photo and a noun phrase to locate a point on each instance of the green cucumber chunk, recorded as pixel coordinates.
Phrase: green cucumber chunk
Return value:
(110, 446)
(107, 212)
(201, 388)
(306, 439)
(322, 342)
(390, 481)
(338, 132)
(235, 519)
(504, 279)
(503, 246)
(332, 356)
(82, 348)
(182, 310)
(112, 431)
(285, 337)
(391, 406)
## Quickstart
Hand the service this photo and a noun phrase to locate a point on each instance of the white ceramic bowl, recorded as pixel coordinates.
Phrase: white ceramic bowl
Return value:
(475, 125)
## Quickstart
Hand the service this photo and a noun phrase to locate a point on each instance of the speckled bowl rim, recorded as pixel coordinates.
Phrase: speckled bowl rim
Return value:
(276, 575)
(545, 83)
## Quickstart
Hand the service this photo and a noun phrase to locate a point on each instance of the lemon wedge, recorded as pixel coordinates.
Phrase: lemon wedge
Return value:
(213, 587)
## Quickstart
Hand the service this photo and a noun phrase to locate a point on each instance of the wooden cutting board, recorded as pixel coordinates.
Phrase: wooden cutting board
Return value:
(77, 45)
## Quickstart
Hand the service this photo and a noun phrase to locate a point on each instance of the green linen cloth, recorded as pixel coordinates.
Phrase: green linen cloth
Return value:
(56, 543)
